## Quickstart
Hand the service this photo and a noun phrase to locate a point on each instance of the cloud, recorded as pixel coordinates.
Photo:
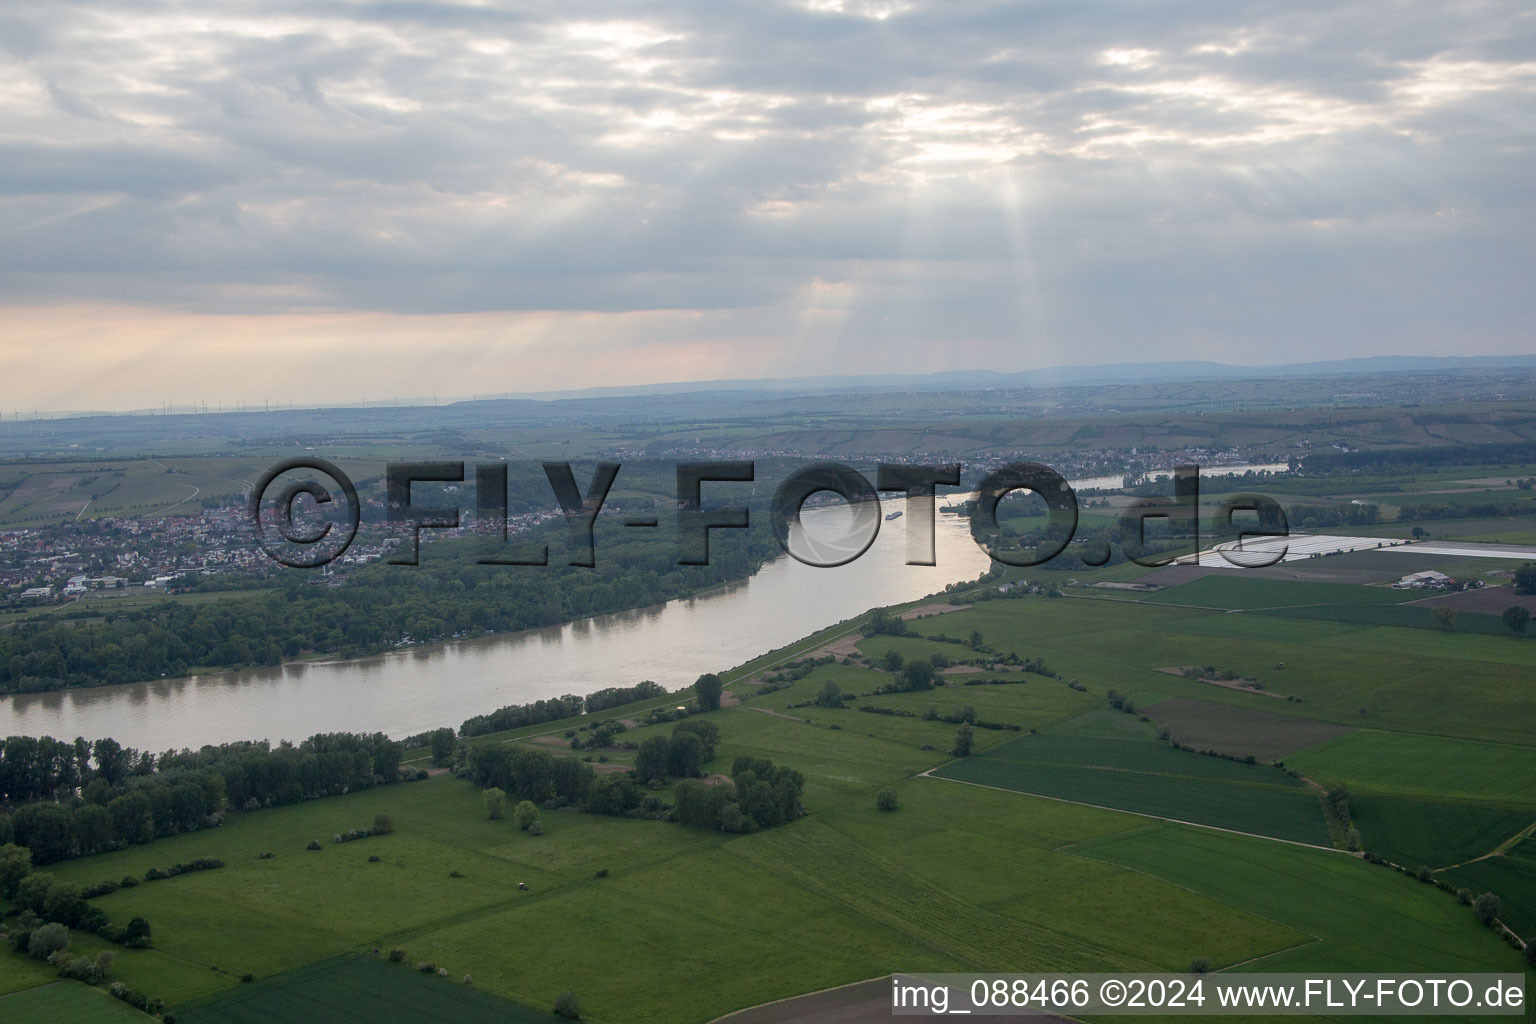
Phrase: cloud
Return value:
(1024, 178)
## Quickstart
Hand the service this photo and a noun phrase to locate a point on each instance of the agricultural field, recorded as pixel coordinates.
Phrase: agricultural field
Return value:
(358, 990)
(68, 1002)
(1439, 833)
(1512, 875)
(1230, 729)
(1011, 873)
(1152, 779)
(1348, 912)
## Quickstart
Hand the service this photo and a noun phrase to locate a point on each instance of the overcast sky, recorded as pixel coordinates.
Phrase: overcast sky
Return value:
(247, 201)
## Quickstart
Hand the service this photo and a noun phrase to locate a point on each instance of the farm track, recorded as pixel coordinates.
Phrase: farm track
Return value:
(1497, 851)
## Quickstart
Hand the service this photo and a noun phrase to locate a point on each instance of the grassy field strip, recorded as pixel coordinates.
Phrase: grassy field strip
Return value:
(523, 899)
(815, 856)
(1140, 814)
(68, 1002)
(356, 990)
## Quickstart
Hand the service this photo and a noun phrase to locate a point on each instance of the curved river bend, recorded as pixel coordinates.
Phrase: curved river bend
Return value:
(442, 684)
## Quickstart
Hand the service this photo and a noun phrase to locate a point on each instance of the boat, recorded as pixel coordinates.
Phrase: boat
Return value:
(894, 515)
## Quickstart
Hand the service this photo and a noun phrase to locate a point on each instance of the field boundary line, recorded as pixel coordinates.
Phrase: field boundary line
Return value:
(1265, 956)
(1140, 814)
(803, 995)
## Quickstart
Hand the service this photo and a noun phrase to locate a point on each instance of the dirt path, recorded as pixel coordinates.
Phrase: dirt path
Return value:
(863, 1002)
(923, 611)
(777, 714)
(1497, 851)
(1229, 684)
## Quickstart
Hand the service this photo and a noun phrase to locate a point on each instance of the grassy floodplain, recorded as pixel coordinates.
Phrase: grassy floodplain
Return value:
(688, 925)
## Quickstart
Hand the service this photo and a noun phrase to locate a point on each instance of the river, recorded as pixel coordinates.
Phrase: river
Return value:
(425, 687)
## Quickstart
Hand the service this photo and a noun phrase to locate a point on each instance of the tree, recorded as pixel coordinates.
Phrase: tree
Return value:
(706, 690)
(1525, 579)
(976, 640)
(525, 813)
(885, 800)
(707, 732)
(47, 940)
(1516, 618)
(442, 746)
(383, 824)
(1445, 616)
(651, 758)
(566, 1006)
(1486, 907)
(684, 755)
(15, 864)
(892, 661)
(918, 675)
(830, 695)
(495, 803)
(963, 737)
(1338, 800)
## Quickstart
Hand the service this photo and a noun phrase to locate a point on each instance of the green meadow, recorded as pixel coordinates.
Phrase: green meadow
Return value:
(68, 1002)
(358, 990)
(990, 862)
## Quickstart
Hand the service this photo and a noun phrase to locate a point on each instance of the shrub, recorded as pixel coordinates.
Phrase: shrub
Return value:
(383, 824)
(83, 968)
(47, 940)
(374, 858)
(536, 829)
(526, 813)
(566, 1006)
(1425, 873)
(427, 968)
(962, 747)
(1486, 907)
(313, 844)
(1464, 897)
(1201, 965)
(885, 800)
(495, 803)
(602, 873)
(247, 978)
(397, 955)
(455, 873)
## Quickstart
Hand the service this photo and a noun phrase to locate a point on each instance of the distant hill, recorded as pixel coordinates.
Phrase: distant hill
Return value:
(1109, 373)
